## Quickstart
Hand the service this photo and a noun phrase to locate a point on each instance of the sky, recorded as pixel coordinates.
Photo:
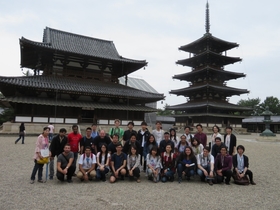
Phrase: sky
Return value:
(153, 30)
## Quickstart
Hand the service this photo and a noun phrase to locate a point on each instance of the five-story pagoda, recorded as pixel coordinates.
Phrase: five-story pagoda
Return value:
(207, 94)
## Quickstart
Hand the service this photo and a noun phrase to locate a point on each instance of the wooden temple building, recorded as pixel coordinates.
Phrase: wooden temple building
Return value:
(207, 94)
(76, 80)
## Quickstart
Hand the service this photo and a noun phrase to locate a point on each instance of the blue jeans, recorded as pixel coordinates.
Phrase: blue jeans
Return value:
(39, 168)
(50, 137)
(168, 175)
(200, 172)
(75, 161)
(101, 174)
(20, 136)
(189, 171)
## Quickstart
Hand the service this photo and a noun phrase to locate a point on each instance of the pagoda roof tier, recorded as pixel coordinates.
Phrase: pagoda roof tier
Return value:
(216, 44)
(204, 104)
(208, 57)
(209, 115)
(74, 103)
(229, 91)
(79, 86)
(93, 50)
(227, 75)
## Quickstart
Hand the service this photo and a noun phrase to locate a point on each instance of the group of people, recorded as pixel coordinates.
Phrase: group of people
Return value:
(159, 154)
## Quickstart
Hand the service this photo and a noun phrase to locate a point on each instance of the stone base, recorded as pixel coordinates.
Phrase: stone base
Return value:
(268, 138)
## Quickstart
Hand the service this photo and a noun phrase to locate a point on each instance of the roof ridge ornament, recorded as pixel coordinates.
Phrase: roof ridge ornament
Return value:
(207, 21)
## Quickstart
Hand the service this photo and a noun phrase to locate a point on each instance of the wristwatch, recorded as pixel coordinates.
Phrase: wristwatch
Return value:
(67, 167)
(86, 172)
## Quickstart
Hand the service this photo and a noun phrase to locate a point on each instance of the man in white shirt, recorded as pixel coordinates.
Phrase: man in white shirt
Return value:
(158, 132)
(205, 165)
(188, 135)
(87, 163)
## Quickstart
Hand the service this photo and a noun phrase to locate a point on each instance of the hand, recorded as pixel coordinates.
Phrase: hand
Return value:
(241, 175)
(187, 165)
(205, 173)
(130, 173)
(64, 171)
(211, 174)
(85, 177)
(40, 156)
(101, 168)
(165, 170)
(116, 174)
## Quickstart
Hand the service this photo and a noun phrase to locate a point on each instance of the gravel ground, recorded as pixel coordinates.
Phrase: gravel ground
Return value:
(17, 193)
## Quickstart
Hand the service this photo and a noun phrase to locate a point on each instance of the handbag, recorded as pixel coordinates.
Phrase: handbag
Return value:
(243, 181)
(44, 160)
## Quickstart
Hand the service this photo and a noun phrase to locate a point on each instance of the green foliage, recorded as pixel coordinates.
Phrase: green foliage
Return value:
(164, 111)
(251, 103)
(272, 103)
(6, 115)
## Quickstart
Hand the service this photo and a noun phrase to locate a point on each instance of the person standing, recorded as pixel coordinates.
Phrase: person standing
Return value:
(127, 133)
(188, 135)
(94, 132)
(223, 166)
(51, 127)
(101, 139)
(174, 138)
(117, 130)
(87, 141)
(21, 133)
(200, 135)
(158, 132)
(131, 142)
(65, 164)
(241, 165)
(215, 134)
(74, 139)
(56, 148)
(41, 144)
(216, 148)
(142, 137)
(230, 141)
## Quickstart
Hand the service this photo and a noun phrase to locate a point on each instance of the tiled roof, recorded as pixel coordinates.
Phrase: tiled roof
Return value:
(82, 45)
(259, 119)
(218, 105)
(79, 86)
(229, 90)
(216, 43)
(208, 57)
(139, 84)
(209, 114)
(75, 103)
(212, 71)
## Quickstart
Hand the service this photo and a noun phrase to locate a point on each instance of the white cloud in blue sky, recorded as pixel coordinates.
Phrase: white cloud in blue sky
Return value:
(153, 30)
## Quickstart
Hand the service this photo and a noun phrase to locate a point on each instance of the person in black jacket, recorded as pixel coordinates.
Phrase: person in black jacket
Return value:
(241, 165)
(21, 133)
(142, 137)
(127, 133)
(131, 142)
(57, 147)
(230, 141)
(186, 163)
(216, 148)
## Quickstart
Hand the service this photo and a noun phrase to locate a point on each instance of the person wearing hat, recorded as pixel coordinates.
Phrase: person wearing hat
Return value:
(127, 133)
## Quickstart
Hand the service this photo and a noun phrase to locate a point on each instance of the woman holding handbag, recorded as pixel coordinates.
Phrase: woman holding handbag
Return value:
(41, 155)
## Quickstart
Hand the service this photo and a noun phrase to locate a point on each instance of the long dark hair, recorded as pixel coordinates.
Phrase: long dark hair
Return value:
(134, 147)
(195, 139)
(155, 148)
(148, 142)
(106, 153)
(175, 137)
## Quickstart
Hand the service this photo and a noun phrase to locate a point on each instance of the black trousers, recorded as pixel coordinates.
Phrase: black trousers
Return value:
(227, 174)
(248, 173)
(69, 174)
(136, 172)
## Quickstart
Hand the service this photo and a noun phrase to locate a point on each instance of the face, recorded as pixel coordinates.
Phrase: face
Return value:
(88, 132)
(215, 129)
(46, 132)
(115, 139)
(103, 148)
(199, 129)
(223, 151)
(218, 142)
(194, 142)
(94, 127)
(67, 149)
(158, 125)
(154, 152)
(188, 151)
(183, 139)
(75, 130)
(172, 132)
(119, 148)
(240, 151)
(151, 139)
(187, 131)
(133, 151)
(228, 131)
(133, 139)
(117, 123)
(205, 152)
(168, 148)
(166, 137)
(87, 151)
(62, 134)
(144, 127)
(130, 126)
(102, 134)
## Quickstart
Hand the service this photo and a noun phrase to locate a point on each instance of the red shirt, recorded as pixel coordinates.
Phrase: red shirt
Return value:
(74, 140)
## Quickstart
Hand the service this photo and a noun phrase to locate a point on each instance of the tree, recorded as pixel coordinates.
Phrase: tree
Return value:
(251, 103)
(6, 114)
(273, 104)
(164, 111)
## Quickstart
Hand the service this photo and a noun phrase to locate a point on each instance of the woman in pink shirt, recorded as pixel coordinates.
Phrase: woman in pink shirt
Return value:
(42, 143)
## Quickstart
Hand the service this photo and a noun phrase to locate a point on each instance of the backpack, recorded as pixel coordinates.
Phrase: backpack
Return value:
(208, 158)
(84, 156)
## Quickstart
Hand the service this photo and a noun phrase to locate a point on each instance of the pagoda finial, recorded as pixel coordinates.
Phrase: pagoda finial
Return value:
(207, 21)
